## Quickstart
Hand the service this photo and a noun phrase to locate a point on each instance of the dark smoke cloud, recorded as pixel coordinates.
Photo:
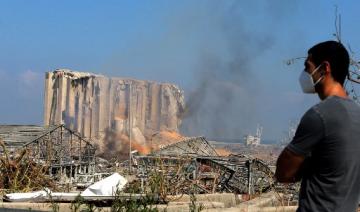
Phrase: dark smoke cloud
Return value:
(224, 104)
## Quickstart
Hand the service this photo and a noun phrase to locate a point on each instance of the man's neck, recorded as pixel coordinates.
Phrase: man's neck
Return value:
(335, 89)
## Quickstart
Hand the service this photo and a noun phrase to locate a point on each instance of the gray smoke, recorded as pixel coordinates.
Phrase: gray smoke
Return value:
(212, 50)
(224, 104)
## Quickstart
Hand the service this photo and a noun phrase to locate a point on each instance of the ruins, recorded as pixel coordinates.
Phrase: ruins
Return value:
(193, 165)
(92, 104)
(62, 151)
(85, 114)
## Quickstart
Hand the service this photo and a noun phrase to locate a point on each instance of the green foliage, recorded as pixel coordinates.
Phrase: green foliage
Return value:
(143, 204)
(80, 205)
(193, 207)
(76, 205)
(53, 205)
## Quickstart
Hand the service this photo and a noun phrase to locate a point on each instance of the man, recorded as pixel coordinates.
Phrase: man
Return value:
(325, 151)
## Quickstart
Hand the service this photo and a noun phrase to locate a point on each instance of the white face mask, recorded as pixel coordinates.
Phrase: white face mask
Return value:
(306, 81)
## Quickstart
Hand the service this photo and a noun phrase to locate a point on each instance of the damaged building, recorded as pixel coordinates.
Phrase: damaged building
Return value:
(93, 105)
(193, 165)
(66, 154)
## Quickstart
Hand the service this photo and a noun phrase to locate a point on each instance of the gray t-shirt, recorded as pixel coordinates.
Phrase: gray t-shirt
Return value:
(329, 137)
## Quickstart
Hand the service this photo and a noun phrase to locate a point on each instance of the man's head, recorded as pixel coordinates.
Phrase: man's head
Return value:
(326, 68)
(331, 57)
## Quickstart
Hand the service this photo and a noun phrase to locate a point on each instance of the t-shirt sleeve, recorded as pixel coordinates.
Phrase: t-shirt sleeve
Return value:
(308, 134)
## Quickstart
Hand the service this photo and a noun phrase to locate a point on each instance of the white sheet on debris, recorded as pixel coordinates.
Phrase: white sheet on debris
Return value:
(25, 196)
(37, 195)
(106, 187)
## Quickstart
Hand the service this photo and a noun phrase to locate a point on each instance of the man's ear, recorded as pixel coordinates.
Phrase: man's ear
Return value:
(326, 68)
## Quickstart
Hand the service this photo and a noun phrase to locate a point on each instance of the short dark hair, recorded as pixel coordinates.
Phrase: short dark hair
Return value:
(336, 54)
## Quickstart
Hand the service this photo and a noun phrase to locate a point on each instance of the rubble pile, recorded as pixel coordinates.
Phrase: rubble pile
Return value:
(193, 165)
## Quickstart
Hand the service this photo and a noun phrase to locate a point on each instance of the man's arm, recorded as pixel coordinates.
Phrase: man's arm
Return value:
(288, 167)
(309, 133)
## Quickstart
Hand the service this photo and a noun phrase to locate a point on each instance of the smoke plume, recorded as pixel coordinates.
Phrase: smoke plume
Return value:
(224, 102)
(212, 49)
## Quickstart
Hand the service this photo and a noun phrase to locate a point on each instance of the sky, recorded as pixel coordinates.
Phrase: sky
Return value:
(228, 56)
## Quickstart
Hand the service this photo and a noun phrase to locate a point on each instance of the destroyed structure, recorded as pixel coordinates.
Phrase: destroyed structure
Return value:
(93, 104)
(84, 106)
(189, 166)
(64, 152)
(193, 165)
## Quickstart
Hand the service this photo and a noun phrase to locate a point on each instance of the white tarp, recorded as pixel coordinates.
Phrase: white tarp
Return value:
(37, 195)
(106, 187)
(25, 196)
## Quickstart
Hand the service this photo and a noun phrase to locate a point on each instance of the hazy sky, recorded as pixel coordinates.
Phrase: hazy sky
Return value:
(228, 56)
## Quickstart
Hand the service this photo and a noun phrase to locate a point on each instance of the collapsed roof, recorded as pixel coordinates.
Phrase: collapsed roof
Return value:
(191, 146)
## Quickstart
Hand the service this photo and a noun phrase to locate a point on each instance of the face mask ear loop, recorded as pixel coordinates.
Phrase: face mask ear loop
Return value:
(312, 73)
(318, 80)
